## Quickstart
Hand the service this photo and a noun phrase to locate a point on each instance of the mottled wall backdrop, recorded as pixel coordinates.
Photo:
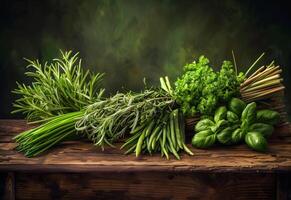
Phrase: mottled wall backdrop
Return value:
(129, 40)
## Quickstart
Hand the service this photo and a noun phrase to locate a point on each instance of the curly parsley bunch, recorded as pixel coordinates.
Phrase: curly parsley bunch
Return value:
(200, 89)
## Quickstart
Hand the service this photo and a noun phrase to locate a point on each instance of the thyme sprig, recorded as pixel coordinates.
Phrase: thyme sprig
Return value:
(106, 121)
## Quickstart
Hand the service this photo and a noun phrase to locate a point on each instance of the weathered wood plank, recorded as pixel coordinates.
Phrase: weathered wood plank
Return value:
(284, 186)
(7, 186)
(85, 157)
(145, 186)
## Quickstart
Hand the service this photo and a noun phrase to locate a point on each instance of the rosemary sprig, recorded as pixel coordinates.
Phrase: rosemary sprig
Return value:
(59, 87)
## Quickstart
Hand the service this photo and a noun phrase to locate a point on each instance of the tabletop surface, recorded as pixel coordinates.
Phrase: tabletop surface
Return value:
(82, 156)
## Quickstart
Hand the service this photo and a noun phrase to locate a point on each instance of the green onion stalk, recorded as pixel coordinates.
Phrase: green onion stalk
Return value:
(37, 140)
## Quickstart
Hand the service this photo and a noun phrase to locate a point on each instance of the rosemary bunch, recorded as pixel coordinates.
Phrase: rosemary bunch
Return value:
(106, 121)
(58, 87)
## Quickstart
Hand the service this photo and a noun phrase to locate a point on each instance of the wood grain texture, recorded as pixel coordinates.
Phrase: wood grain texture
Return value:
(85, 157)
(149, 185)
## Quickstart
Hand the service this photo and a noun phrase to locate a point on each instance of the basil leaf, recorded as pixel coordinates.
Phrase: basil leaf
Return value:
(220, 113)
(204, 139)
(203, 125)
(265, 129)
(256, 141)
(248, 115)
(232, 117)
(237, 136)
(268, 117)
(237, 106)
(221, 124)
(224, 137)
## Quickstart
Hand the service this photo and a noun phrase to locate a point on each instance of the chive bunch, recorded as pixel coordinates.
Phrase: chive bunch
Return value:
(165, 134)
(263, 83)
(37, 140)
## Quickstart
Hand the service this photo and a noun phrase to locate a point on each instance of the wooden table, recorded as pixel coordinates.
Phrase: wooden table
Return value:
(79, 170)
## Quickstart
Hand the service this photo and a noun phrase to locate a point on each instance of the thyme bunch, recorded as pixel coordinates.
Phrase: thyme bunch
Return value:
(106, 121)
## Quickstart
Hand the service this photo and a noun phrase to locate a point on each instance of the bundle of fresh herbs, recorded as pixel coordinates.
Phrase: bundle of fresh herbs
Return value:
(70, 101)
(263, 83)
(200, 89)
(57, 129)
(59, 92)
(59, 87)
(106, 121)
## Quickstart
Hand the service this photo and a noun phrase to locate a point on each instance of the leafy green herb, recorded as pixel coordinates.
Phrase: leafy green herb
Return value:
(268, 116)
(232, 117)
(232, 127)
(225, 136)
(200, 89)
(196, 88)
(203, 125)
(207, 130)
(237, 106)
(248, 115)
(108, 120)
(204, 139)
(237, 136)
(227, 82)
(57, 95)
(58, 87)
(265, 129)
(220, 113)
(256, 141)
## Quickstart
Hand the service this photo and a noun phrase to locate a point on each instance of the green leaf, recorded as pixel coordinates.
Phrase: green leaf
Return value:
(221, 124)
(232, 117)
(248, 116)
(204, 139)
(237, 106)
(225, 136)
(265, 129)
(256, 141)
(203, 125)
(237, 136)
(220, 113)
(268, 117)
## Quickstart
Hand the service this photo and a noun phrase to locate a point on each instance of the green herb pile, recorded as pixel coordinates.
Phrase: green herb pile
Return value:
(58, 87)
(106, 121)
(200, 89)
(241, 122)
(57, 95)
(68, 103)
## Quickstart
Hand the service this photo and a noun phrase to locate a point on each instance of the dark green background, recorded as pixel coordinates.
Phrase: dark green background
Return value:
(129, 40)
